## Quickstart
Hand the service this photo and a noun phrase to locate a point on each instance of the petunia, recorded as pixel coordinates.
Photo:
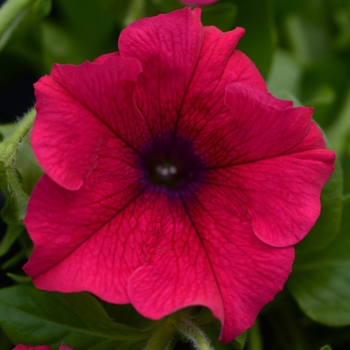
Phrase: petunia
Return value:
(40, 347)
(198, 2)
(173, 178)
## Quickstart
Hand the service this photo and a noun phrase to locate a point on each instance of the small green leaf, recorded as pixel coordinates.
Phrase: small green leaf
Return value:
(19, 278)
(326, 347)
(320, 281)
(13, 261)
(31, 316)
(240, 342)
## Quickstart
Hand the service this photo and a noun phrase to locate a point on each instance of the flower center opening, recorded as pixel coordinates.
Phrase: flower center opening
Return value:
(170, 163)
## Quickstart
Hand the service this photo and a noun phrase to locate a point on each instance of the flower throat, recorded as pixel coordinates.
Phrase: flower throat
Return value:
(170, 163)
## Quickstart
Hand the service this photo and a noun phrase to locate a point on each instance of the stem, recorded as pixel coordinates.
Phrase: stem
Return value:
(162, 336)
(254, 337)
(10, 145)
(11, 14)
(9, 179)
(192, 332)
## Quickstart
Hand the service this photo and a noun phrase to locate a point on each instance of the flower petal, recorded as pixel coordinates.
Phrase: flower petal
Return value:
(185, 73)
(259, 127)
(280, 195)
(78, 109)
(168, 48)
(199, 2)
(209, 257)
(219, 64)
(27, 347)
(83, 239)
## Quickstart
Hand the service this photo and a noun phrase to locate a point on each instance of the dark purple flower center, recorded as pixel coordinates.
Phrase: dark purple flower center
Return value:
(170, 163)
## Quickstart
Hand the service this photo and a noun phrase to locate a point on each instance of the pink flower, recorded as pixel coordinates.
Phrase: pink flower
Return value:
(40, 347)
(199, 2)
(173, 177)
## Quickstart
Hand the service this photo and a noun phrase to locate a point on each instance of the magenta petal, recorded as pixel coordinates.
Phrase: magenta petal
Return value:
(199, 2)
(27, 347)
(168, 48)
(81, 108)
(203, 260)
(281, 195)
(83, 240)
(219, 64)
(259, 127)
(288, 204)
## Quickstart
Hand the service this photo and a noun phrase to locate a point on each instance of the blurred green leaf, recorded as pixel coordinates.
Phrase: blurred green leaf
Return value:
(42, 8)
(136, 11)
(324, 86)
(117, 8)
(339, 130)
(320, 281)
(221, 15)
(259, 42)
(342, 20)
(11, 13)
(240, 342)
(5, 343)
(285, 74)
(81, 30)
(309, 40)
(31, 316)
(11, 234)
(326, 347)
(13, 260)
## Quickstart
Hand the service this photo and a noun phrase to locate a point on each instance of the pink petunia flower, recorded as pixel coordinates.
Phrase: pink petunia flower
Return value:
(173, 177)
(199, 2)
(40, 347)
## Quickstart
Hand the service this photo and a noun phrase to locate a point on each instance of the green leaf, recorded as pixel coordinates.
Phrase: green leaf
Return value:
(13, 261)
(84, 26)
(326, 347)
(11, 13)
(221, 15)
(324, 86)
(31, 316)
(259, 42)
(285, 74)
(19, 278)
(339, 131)
(328, 224)
(240, 342)
(308, 31)
(43, 8)
(320, 281)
